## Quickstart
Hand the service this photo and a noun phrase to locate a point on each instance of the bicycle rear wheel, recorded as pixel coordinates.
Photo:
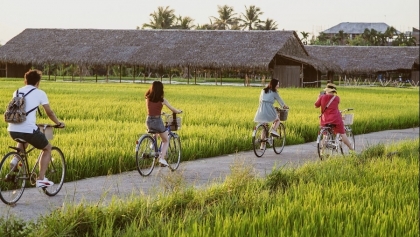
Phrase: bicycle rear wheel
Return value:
(279, 142)
(173, 156)
(146, 154)
(259, 140)
(325, 146)
(12, 178)
(56, 172)
(343, 147)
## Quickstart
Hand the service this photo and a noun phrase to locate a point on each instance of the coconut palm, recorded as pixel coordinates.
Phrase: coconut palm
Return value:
(226, 18)
(251, 17)
(164, 18)
(185, 23)
(268, 24)
(305, 36)
(390, 32)
(342, 37)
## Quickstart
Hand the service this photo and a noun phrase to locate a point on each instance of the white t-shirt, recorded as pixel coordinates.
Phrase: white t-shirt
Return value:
(32, 100)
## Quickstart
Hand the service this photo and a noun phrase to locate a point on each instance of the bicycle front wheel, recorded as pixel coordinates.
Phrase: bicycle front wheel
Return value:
(146, 152)
(343, 147)
(278, 142)
(325, 146)
(12, 178)
(174, 152)
(56, 172)
(259, 140)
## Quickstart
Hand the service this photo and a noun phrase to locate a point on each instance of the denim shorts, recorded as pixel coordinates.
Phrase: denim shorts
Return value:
(155, 123)
(36, 139)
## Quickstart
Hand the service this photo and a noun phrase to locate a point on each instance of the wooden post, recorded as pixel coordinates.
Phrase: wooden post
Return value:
(170, 76)
(195, 76)
(107, 72)
(221, 77)
(134, 73)
(120, 72)
(80, 73)
(188, 74)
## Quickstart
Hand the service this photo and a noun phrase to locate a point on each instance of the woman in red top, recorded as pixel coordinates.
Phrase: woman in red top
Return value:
(332, 114)
(154, 103)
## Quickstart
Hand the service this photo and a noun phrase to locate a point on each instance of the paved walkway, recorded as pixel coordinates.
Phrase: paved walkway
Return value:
(198, 173)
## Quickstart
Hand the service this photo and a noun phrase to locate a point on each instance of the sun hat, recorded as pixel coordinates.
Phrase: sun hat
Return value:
(330, 88)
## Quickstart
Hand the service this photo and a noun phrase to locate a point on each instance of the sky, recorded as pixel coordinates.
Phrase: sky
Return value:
(312, 16)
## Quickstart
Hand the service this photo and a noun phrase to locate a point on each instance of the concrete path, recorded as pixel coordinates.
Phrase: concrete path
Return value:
(100, 190)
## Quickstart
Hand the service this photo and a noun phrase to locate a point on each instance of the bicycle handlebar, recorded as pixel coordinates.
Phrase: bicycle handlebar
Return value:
(49, 125)
(348, 109)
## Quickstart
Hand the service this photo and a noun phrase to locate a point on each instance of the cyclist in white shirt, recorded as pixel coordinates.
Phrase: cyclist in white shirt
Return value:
(28, 129)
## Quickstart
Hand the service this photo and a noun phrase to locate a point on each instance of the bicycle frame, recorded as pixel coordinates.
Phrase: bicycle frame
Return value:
(23, 153)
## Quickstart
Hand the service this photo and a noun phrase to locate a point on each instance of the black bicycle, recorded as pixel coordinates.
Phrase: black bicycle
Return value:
(15, 172)
(261, 136)
(147, 149)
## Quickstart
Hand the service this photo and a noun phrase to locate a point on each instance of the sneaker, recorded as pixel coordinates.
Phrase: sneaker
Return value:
(274, 133)
(163, 162)
(43, 183)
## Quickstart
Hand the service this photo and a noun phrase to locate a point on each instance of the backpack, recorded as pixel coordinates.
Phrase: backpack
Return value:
(15, 111)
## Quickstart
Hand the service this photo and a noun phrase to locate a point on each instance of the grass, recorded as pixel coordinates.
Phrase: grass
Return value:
(104, 120)
(371, 194)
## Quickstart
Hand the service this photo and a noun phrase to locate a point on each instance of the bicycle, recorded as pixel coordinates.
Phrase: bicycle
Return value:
(147, 149)
(13, 176)
(261, 136)
(329, 143)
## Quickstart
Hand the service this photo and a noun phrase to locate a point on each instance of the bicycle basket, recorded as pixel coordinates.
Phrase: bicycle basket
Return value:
(48, 131)
(283, 113)
(175, 124)
(348, 119)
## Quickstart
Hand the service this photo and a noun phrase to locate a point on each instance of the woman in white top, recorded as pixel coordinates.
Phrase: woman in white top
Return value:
(266, 113)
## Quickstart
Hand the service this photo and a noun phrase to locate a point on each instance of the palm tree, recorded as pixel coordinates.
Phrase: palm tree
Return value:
(206, 26)
(305, 36)
(268, 24)
(226, 17)
(342, 37)
(390, 32)
(164, 18)
(184, 23)
(251, 17)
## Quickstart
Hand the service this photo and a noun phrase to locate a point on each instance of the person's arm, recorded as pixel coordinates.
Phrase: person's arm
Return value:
(50, 113)
(173, 109)
(318, 102)
(280, 101)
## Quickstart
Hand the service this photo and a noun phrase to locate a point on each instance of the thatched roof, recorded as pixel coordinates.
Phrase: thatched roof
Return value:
(357, 27)
(367, 59)
(155, 48)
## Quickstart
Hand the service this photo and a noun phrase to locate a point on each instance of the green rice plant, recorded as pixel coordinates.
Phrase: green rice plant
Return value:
(104, 120)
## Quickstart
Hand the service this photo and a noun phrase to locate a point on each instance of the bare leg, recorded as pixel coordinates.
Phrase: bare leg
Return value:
(346, 141)
(45, 160)
(276, 124)
(165, 144)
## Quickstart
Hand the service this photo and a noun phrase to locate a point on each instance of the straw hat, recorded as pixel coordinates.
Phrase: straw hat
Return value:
(330, 88)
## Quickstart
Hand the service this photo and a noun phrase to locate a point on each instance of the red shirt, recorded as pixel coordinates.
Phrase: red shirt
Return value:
(154, 108)
(332, 114)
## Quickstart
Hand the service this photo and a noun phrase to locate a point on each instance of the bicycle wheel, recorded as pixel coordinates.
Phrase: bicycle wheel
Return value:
(343, 147)
(259, 140)
(56, 172)
(325, 146)
(278, 142)
(12, 178)
(173, 156)
(146, 154)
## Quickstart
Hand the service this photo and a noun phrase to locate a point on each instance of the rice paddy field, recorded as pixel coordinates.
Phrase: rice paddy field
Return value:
(103, 120)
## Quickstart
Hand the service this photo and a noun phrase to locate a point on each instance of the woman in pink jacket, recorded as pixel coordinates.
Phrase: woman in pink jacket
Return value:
(331, 114)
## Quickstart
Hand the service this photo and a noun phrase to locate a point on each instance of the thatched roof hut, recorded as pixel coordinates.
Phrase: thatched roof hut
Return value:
(156, 48)
(368, 59)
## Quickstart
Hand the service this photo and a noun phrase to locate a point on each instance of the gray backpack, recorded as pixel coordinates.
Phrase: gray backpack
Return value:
(15, 111)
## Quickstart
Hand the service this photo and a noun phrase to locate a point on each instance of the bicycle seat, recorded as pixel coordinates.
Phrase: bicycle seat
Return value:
(152, 131)
(20, 140)
(330, 125)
